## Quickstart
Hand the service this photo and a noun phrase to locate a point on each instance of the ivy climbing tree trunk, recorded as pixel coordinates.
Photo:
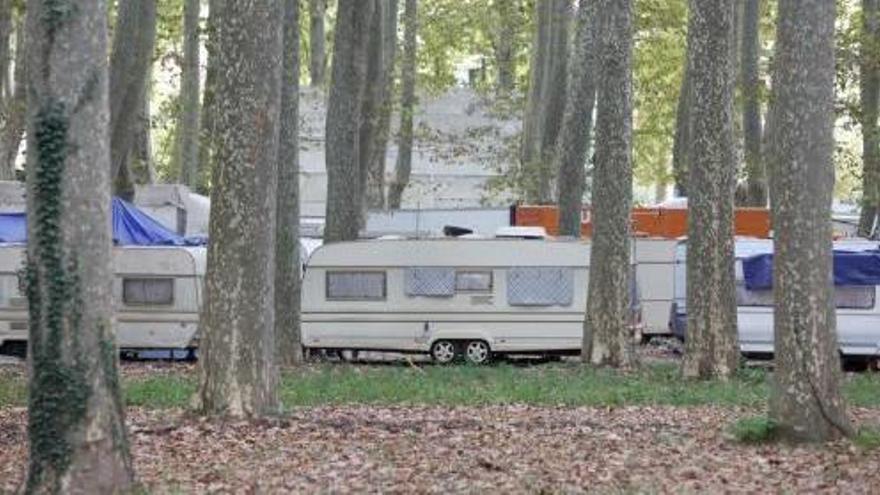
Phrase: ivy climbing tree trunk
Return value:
(287, 272)
(403, 167)
(344, 118)
(574, 139)
(76, 426)
(805, 400)
(756, 176)
(187, 145)
(607, 338)
(869, 74)
(130, 60)
(317, 42)
(711, 348)
(237, 353)
(681, 141)
(385, 105)
(15, 109)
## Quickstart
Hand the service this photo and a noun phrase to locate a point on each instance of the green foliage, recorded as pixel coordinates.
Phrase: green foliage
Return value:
(867, 438)
(755, 430)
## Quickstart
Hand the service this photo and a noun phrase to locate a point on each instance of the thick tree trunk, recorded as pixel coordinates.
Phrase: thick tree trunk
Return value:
(403, 167)
(371, 103)
(806, 399)
(133, 40)
(207, 128)
(376, 173)
(504, 47)
(711, 348)
(317, 43)
(187, 145)
(342, 144)
(239, 372)
(16, 108)
(681, 141)
(287, 273)
(607, 336)
(76, 426)
(870, 98)
(756, 176)
(574, 139)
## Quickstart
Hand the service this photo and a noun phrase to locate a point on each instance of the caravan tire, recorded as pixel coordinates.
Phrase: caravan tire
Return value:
(444, 351)
(478, 352)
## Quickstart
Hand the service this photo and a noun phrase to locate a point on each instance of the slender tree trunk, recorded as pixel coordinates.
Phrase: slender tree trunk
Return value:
(607, 335)
(371, 102)
(187, 152)
(805, 400)
(239, 372)
(6, 15)
(574, 139)
(756, 176)
(135, 35)
(317, 42)
(287, 273)
(711, 348)
(407, 106)
(207, 127)
(76, 426)
(553, 99)
(530, 152)
(345, 104)
(870, 97)
(376, 176)
(681, 142)
(141, 158)
(503, 46)
(16, 109)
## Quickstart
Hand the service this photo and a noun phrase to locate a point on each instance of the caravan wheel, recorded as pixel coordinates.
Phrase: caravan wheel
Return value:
(478, 352)
(443, 351)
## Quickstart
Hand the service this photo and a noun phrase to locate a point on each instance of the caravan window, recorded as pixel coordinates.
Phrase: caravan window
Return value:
(845, 297)
(148, 291)
(369, 286)
(473, 281)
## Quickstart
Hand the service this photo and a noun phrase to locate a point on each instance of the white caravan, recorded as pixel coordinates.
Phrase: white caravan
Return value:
(451, 298)
(157, 290)
(858, 315)
(655, 273)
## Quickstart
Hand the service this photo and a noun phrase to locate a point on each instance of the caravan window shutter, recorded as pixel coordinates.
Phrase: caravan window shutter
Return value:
(430, 282)
(540, 286)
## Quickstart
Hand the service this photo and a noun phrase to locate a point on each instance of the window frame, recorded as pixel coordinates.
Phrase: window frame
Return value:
(489, 289)
(170, 302)
(329, 273)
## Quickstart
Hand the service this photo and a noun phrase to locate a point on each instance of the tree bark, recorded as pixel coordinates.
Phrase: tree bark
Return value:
(141, 154)
(371, 103)
(681, 141)
(207, 125)
(16, 108)
(504, 47)
(344, 120)
(756, 176)
(239, 372)
(403, 167)
(287, 273)
(607, 337)
(530, 152)
(133, 40)
(574, 140)
(711, 348)
(6, 15)
(376, 172)
(805, 400)
(869, 72)
(187, 145)
(317, 42)
(76, 426)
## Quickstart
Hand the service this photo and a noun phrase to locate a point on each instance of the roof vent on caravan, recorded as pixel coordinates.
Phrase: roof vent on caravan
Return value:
(453, 231)
(520, 232)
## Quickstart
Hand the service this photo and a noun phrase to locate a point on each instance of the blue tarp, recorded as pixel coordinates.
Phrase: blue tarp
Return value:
(851, 268)
(131, 227)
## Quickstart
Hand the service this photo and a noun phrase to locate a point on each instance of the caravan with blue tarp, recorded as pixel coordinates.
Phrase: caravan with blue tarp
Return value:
(856, 281)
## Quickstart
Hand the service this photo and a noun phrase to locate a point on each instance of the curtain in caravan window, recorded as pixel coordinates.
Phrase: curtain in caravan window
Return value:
(540, 286)
(356, 285)
(430, 281)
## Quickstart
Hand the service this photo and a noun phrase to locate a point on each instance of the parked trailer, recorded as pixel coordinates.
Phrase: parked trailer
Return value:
(450, 298)
(858, 315)
(157, 292)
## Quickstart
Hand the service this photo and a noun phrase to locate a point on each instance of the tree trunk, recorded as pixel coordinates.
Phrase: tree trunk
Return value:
(287, 273)
(756, 176)
(6, 14)
(711, 348)
(16, 109)
(870, 97)
(607, 335)
(317, 42)
(133, 40)
(239, 372)
(207, 128)
(530, 152)
(344, 120)
(376, 175)
(503, 46)
(805, 400)
(371, 103)
(76, 426)
(187, 152)
(141, 155)
(574, 141)
(681, 141)
(407, 106)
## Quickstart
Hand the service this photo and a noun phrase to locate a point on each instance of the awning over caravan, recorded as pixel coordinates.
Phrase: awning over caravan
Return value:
(851, 268)
(131, 227)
